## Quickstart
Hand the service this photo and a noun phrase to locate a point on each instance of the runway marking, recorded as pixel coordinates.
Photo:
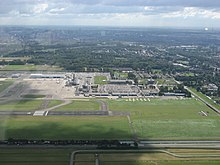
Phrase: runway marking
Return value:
(39, 113)
(46, 113)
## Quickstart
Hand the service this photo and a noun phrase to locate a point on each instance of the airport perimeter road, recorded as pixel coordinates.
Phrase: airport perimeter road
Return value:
(73, 155)
(103, 105)
(209, 105)
(180, 144)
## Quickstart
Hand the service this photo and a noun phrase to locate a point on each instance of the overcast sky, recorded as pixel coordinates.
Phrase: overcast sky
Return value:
(166, 13)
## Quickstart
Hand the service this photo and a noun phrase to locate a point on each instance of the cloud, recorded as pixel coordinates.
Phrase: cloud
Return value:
(57, 10)
(115, 12)
(193, 12)
(149, 8)
(39, 8)
(185, 3)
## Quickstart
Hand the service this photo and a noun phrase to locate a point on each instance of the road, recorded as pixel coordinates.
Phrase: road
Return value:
(158, 147)
(201, 99)
(103, 105)
(180, 144)
(209, 105)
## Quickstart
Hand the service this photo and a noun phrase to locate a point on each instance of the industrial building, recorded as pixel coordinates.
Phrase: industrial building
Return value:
(46, 76)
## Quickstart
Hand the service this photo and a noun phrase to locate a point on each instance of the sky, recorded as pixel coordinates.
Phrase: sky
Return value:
(138, 13)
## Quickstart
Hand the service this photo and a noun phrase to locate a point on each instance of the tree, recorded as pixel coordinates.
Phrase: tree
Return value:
(131, 76)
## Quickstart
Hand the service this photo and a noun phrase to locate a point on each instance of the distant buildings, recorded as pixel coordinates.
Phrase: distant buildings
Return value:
(210, 88)
(44, 76)
(150, 81)
(121, 82)
(124, 70)
(16, 75)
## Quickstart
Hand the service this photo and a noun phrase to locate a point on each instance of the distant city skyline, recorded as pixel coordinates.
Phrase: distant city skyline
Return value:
(137, 13)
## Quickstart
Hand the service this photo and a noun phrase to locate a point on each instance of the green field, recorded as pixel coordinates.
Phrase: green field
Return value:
(26, 105)
(121, 75)
(154, 119)
(150, 158)
(205, 98)
(207, 162)
(170, 119)
(5, 84)
(31, 67)
(78, 127)
(55, 156)
(80, 105)
(100, 80)
(36, 156)
(53, 103)
(166, 82)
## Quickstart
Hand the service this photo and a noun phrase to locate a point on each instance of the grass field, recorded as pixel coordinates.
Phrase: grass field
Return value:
(30, 67)
(100, 80)
(53, 103)
(78, 127)
(149, 158)
(26, 105)
(43, 156)
(36, 156)
(166, 82)
(121, 75)
(205, 98)
(154, 119)
(170, 119)
(212, 162)
(5, 84)
(80, 105)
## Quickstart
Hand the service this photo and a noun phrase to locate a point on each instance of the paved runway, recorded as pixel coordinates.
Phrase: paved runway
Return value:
(64, 113)
(78, 113)
(16, 113)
